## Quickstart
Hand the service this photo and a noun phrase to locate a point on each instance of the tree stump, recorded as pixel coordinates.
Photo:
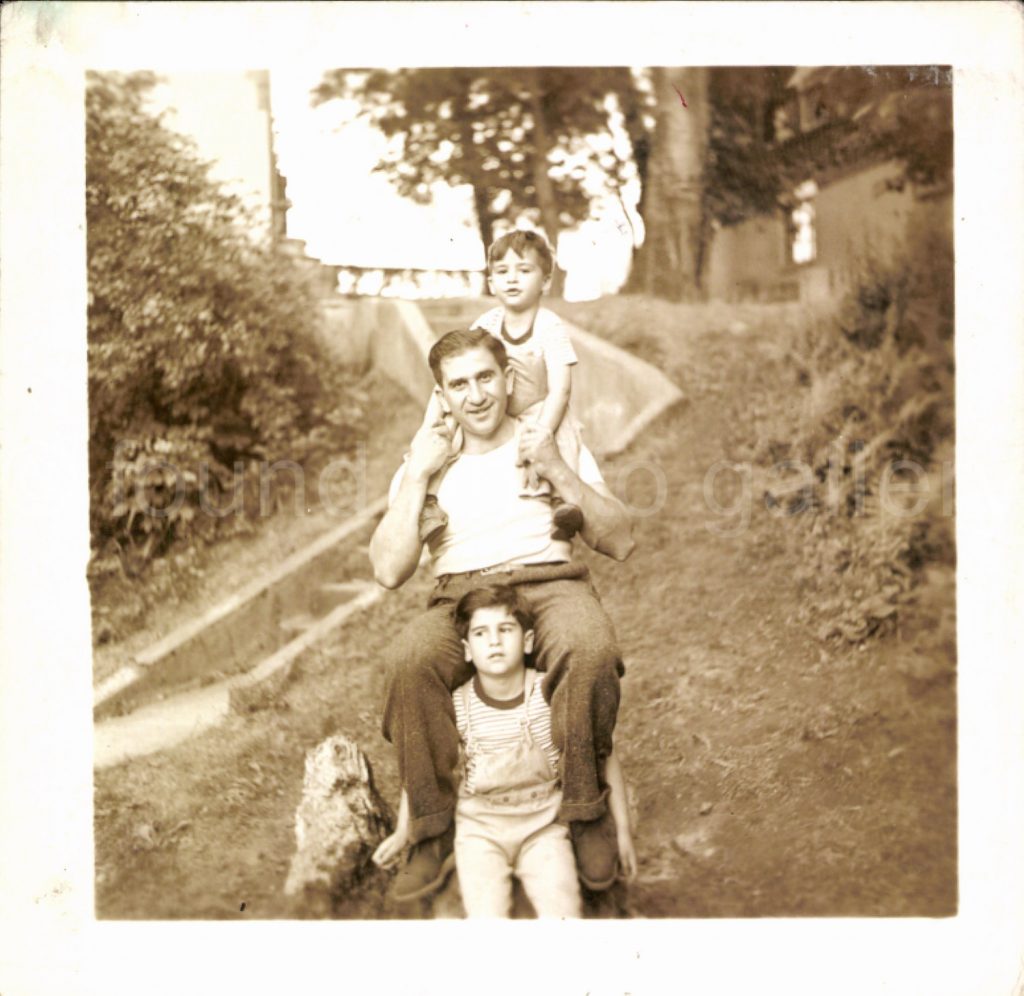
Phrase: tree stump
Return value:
(338, 824)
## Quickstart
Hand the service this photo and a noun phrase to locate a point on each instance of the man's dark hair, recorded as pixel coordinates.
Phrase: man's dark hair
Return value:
(518, 241)
(491, 596)
(461, 341)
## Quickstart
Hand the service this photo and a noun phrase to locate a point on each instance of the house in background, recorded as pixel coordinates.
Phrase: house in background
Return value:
(850, 201)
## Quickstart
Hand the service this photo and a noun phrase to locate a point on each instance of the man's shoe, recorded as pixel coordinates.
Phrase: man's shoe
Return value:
(433, 520)
(426, 869)
(597, 852)
(567, 520)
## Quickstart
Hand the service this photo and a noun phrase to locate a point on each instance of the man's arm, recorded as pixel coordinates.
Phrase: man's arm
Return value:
(607, 525)
(396, 545)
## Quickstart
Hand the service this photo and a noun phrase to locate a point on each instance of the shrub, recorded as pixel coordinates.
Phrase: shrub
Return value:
(201, 353)
(877, 385)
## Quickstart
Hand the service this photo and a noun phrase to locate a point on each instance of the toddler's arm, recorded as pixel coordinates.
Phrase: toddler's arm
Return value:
(619, 806)
(390, 849)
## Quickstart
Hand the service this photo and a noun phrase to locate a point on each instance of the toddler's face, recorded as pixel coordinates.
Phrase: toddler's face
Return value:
(496, 643)
(518, 281)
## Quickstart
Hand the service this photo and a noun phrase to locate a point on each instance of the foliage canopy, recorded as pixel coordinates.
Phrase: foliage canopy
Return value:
(506, 132)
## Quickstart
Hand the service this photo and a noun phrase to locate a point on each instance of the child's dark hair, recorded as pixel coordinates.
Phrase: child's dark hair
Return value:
(491, 596)
(518, 241)
(461, 341)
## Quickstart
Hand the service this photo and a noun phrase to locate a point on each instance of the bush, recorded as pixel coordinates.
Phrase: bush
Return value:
(201, 353)
(877, 388)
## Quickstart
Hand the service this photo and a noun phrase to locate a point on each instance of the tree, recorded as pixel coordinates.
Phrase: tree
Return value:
(200, 340)
(667, 264)
(505, 132)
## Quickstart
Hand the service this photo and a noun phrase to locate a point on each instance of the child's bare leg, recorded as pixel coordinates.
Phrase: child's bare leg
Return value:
(567, 517)
(485, 877)
(547, 868)
(433, 518)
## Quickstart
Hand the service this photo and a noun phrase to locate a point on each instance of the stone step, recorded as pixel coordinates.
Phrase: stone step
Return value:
(245, 627)
(158, 725)
(297, 624)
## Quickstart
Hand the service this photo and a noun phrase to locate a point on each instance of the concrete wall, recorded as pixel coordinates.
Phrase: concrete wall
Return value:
(614, 394)
(856, 218)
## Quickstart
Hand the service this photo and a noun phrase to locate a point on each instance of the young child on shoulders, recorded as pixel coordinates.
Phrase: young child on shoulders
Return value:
(506, 814)
(519, 268)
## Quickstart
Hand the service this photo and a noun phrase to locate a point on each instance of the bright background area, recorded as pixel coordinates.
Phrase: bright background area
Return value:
(347, 214)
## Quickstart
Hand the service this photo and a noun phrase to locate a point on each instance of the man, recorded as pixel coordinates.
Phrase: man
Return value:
(494, 533)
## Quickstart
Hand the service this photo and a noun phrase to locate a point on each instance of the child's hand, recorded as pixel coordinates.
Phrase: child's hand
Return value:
(627, 855)
(390, 849)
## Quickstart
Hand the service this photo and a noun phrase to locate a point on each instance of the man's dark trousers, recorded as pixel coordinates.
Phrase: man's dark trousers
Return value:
(574, 645)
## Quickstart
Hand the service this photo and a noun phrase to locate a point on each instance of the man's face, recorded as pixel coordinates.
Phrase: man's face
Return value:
(518, 281)
(475, 390)
(495, 642)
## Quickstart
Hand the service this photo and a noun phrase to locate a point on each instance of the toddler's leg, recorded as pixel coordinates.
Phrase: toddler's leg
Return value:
(485, 876)
(547, 868)
(567, 518)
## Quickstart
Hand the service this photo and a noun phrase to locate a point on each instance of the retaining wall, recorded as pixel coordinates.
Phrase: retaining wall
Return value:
(615, 394)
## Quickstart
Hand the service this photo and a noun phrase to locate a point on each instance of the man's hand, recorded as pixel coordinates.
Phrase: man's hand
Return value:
(431, 449)
(537, 449)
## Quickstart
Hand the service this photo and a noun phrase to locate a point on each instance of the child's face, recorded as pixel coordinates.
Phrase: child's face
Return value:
(518, 281)
(496, 643)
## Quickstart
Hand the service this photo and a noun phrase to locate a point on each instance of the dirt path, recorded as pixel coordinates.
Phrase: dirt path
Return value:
(770, 775)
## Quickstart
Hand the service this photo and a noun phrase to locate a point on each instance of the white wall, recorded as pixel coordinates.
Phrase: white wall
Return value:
(228, 116)
(856, 217)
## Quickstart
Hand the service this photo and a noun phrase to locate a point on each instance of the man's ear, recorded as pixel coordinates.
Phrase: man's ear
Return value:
(528, 642)
(465, 648)
(510, 380)
(439, 394)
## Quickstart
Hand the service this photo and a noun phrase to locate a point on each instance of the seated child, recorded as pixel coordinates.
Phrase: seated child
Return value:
(519, 268)
(506, 814)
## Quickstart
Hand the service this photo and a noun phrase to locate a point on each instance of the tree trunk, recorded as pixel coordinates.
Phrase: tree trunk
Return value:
(340, 820)
(547, 202)
(667, 264)
(484, 219)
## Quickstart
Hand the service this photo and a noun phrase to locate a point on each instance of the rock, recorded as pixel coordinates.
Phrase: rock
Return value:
(338, 824)
(695, 844)
(706, 808)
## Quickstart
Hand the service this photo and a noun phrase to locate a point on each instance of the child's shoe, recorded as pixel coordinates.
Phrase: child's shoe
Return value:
(568, 520)
(433, 520)
(427, 867)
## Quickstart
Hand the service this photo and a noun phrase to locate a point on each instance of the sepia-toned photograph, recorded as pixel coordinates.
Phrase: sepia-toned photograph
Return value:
(494, 474)
(693, 655)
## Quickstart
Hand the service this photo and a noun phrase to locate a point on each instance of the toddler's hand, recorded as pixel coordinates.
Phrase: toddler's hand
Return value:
(390, 849)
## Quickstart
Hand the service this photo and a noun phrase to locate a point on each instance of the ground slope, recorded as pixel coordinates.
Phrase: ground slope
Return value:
(770, 774)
